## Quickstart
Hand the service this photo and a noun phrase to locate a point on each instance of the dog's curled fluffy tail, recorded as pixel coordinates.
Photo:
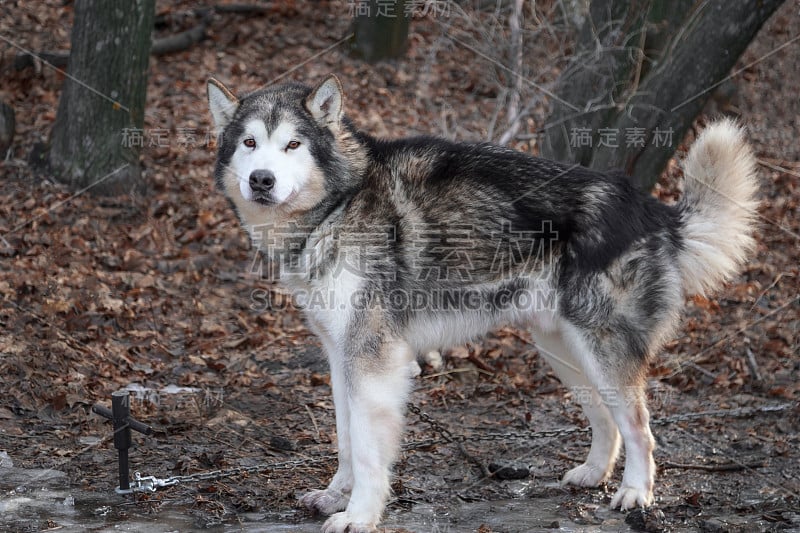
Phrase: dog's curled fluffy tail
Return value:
(718, 208)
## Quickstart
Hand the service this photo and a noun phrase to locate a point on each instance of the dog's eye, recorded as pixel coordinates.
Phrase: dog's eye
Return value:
(250, 143)
(293, 145)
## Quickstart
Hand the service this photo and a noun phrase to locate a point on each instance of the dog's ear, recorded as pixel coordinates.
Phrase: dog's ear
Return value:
(325, 102)
(222, 103)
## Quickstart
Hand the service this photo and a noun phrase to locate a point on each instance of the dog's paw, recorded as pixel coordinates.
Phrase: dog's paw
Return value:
(325, 501)
(631, 497)
(586, 475)
(343, 523)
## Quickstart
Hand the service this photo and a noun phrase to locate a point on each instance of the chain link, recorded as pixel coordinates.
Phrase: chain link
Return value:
(736, 412)
(152, 483)
(449, 436)
(437, 426)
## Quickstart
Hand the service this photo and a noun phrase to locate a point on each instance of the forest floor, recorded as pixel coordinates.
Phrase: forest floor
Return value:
(153, 293)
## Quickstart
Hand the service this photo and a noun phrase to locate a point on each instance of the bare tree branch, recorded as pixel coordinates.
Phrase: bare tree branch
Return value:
(653, 83)
(513, 115)
(676, 89)
(598, 77)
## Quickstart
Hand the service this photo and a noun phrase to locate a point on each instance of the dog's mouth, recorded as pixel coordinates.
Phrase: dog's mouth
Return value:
(268, 200)
(264, 199)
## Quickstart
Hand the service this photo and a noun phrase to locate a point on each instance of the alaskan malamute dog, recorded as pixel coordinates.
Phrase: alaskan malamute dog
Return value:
(398, 247)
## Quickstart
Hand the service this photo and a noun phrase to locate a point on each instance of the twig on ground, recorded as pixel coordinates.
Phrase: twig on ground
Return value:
(693, 365)
(518, 336)
(771, 285)
(475, 360)
(313, 421)
(779, 168)
(474, 460)
(752, 364)
(723, 467)
(448, 372)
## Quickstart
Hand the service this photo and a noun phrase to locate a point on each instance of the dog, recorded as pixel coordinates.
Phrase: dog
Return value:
(398, 247)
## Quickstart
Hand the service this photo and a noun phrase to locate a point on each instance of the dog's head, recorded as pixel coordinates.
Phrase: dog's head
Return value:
(277, 146)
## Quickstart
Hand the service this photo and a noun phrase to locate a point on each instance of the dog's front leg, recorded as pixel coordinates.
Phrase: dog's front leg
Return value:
(336, 496)
(377, 389)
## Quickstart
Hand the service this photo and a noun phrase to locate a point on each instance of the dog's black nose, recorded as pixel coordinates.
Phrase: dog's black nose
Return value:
(262, 180)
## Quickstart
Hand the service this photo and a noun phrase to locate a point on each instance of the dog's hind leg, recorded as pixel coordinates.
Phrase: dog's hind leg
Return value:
(633, 420)
(377, 389)
(605, 437)
(619, 377)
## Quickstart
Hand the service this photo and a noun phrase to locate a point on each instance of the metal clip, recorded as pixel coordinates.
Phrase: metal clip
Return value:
(144, 483)
(148, 484)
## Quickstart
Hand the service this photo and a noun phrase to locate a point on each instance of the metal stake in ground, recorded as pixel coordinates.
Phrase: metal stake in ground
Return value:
(120, 415)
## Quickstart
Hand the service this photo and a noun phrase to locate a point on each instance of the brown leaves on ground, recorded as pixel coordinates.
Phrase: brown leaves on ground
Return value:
(100, 294)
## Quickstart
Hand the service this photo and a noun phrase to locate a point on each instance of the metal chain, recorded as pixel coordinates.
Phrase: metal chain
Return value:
(152, 483)
(437, 426)
(736, 412)
(449, 436)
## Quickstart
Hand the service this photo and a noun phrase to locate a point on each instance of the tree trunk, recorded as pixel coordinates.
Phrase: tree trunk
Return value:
(664, 96)
(606, 58)
(663, 23)
(698, 59)
(380, 30)
(97, 133)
